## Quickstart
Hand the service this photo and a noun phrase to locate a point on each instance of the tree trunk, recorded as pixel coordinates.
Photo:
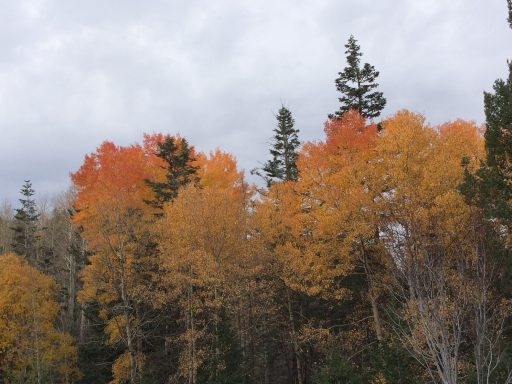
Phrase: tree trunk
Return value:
(371, 293)
(71, 289)
(376, 317)
(127, 326)
(192, 379)
(293, 337)
(36, 341)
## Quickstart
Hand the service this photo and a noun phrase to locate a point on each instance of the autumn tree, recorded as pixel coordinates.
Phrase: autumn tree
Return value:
(202, 249)
(357, 85)
(276, 226)
(111, 190)
(32, 349)
(439, 249)
(338, 204)
(284, 150)
(25, 224)
(219, 170)
(300, 223)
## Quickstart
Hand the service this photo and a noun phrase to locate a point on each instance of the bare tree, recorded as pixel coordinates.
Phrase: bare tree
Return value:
(6, 233)
(445, 287)
(491, 312)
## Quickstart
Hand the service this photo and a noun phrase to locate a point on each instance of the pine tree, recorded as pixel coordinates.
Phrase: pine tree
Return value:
(25, 224)
(357, 85)
(509, 3)
(284, 150)
(491, 186)
(178, 156)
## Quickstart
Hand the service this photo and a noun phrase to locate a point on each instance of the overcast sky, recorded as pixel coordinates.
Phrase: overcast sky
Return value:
(76, 73)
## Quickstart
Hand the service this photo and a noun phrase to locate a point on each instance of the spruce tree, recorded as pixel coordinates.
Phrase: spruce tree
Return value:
(284, 150)
(491, 186)
(178, 156)
(25, 224)
(357, 85)
(509, 3)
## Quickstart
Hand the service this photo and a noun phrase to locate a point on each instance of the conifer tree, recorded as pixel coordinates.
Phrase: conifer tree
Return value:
(357, 85)
(178, 156)
(282, 165)
(509, 3)
(491, 186)
(25, 224)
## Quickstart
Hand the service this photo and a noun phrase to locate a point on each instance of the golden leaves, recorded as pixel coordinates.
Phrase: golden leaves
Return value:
(29, 342)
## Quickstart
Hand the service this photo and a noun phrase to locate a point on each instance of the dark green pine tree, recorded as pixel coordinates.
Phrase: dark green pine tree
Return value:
(509, 3)
(357, 85)
(491, 186)
(25, 224)
(178, 156)
(282, 165)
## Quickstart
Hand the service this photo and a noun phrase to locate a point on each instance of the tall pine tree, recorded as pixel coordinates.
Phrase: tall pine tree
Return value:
(178, 157)
(282, 165)
(491, 186)
(25, 224)
(357, 85)
(509, 3)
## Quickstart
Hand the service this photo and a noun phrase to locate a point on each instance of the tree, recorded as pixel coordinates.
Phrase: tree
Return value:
(490, 187)
(60, 240)
(284, 150)
(6, 227)
(32, 350)
(203, 249)
(357, 85)
(111, 190)
(333, 210)
(25, 224)
(313, 227)
(438, 250)
(178, 158)
(219, 170)
(509, 3)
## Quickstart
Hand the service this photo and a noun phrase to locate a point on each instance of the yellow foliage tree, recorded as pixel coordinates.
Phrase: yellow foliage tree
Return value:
(318, 227)
(203, 244)
(32, 350)
(434, 248)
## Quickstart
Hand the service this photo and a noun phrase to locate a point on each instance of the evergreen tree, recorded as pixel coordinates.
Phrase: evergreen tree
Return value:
(282, 165)
(491, 186)
(509, 3)
(25, 224)
(357, 85)
(178, 156)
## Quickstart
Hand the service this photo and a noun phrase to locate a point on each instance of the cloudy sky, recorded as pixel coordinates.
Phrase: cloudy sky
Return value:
(74, 73)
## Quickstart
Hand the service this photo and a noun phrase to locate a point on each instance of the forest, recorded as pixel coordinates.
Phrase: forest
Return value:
(379, 254)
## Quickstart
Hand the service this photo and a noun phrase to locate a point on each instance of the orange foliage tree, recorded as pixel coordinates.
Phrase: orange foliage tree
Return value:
(219, 170)
(111, 191)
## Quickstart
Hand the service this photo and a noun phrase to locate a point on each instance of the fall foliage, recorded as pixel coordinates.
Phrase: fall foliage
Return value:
(32, 349)
(378, 253)
(371, 253)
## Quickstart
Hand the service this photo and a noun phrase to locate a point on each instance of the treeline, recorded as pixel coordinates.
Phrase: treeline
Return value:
(379, 254)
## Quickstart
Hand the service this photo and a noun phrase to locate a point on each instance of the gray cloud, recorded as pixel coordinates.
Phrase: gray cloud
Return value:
(75, 73)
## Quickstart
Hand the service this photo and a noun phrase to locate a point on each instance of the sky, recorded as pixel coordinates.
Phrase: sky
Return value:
(74, 73)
